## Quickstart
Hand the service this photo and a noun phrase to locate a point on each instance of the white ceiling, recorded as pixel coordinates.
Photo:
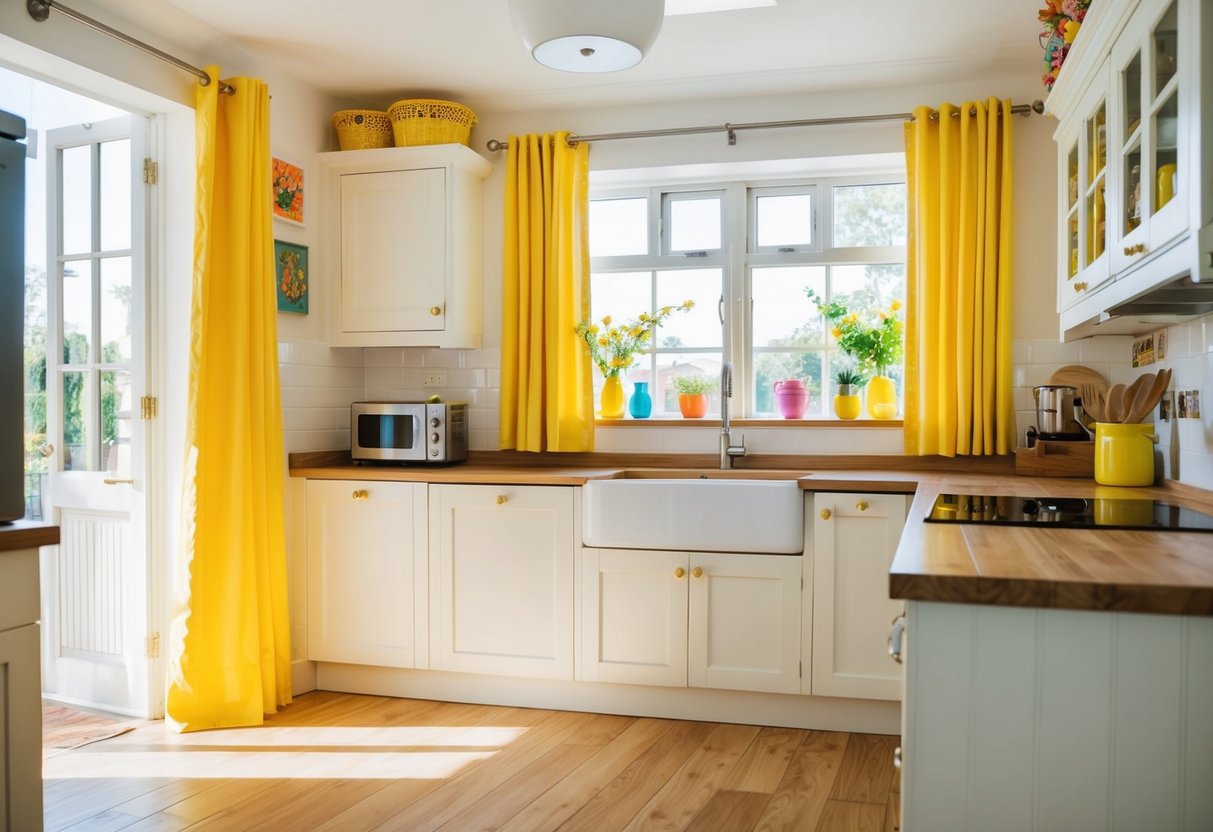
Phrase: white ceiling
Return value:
(370, 52)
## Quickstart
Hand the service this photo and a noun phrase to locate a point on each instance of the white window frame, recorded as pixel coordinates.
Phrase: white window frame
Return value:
(739, 254)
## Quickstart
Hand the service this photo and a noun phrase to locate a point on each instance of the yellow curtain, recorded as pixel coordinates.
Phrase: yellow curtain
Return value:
(547, 398)
(231, 639)
(958, 262)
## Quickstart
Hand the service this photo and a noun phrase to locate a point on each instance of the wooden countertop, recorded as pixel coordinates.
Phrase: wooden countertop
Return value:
(1131, 571)
(24, 534)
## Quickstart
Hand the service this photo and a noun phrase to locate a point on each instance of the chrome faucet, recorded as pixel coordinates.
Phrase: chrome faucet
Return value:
(728, 451)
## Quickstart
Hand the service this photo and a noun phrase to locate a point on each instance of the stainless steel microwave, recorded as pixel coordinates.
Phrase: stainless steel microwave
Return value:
(409, 431)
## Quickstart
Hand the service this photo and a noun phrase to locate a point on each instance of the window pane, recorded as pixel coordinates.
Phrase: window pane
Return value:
(870, 215)
(784, 220)
(115, 420)
(622, 295)
(619, 227)
(77, 203)
(783, 316)
(695, 224)
(77, 421)
(77, 312)
(116, 310)
(116, 195)
(868, 288)
(692, 365)
(700, 327)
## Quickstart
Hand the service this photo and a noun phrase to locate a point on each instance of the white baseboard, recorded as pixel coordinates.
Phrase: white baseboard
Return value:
(303, 677)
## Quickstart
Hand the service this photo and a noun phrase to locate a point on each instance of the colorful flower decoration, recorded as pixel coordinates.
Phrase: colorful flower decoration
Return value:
(1062, 20)
(613, 348)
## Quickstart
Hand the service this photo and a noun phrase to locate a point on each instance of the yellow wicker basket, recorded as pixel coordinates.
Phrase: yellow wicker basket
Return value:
(362, 129)
(417, 121)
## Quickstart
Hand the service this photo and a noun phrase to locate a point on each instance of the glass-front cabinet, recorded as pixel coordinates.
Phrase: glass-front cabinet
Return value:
(1084, 200)
(1151, 157)
(1134, 104)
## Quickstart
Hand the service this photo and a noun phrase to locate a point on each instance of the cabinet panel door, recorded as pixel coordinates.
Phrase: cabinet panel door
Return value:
(502, 579)
(853, 545)
(20, 729)
(744, 631)
(393, 239)
(634, 617)
(364, 542)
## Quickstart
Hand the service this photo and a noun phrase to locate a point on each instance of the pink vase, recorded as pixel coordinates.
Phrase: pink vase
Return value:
(792, 397)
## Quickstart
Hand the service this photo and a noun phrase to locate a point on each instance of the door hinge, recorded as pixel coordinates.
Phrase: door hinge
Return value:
(151, 172)
(148, 407)
(153, 646)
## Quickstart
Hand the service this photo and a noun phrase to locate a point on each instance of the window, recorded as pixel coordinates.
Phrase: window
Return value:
(745, 253)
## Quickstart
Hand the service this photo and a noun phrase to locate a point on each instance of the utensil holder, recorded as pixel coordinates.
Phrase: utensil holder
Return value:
(1124, 453)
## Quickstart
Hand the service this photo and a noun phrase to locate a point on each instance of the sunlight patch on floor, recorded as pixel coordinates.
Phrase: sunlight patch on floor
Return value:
(331, 736)
(261, 765)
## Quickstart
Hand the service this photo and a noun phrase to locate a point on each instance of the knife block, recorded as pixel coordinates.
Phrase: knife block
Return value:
(1051, 458)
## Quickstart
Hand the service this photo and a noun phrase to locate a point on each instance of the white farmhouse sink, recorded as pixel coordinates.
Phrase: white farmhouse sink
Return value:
(695, 515)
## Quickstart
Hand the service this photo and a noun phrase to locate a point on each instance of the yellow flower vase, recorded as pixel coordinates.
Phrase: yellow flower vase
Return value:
(612, 398)
(847, 404)
(882, 398)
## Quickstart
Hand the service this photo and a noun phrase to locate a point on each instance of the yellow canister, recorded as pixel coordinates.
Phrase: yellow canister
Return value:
(1124, 454)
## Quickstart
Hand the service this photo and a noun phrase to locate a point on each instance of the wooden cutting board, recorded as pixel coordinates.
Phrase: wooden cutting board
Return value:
(1073, 375)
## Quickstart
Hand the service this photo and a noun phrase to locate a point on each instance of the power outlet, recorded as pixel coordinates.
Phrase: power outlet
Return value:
(433, 378)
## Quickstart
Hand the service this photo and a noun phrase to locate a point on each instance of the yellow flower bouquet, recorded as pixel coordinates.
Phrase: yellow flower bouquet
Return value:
(613, 347)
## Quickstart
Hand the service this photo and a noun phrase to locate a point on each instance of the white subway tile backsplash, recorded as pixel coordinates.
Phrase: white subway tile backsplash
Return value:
(443, 358)
(384, 377)
(1052, 352)
(1106, 349)
(384, 357)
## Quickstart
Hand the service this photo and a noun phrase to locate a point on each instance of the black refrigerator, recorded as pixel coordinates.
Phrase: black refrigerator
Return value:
(12, 317)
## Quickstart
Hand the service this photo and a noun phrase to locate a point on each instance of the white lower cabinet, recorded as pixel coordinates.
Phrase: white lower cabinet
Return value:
(700, 619)
(20, 694)
(501, 579)
(854, 538)
(366, 565)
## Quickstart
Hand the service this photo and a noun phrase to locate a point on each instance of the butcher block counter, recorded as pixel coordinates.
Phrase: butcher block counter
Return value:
(1109, 570)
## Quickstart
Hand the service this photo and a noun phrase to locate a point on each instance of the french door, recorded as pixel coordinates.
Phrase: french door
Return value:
(98, 637)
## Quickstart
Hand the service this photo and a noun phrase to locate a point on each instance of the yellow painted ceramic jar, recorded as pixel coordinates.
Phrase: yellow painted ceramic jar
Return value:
(1124, 454)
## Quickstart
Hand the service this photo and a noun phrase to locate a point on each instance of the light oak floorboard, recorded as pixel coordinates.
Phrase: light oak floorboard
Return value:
(333, 762)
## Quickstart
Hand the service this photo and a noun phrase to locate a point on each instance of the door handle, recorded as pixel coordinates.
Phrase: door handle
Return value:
(117, 481)
(895, 637)
(46, 449)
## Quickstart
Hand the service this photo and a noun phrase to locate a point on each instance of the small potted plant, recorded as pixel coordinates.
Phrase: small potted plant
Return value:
(846, 402)
(693, 394)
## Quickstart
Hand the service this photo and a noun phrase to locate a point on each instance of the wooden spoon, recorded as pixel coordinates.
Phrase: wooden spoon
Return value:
(1136, 395)
(1092, 401)
(1152, 396)
(1114, 404)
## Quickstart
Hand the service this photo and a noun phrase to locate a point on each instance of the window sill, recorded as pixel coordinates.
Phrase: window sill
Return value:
(676, 422)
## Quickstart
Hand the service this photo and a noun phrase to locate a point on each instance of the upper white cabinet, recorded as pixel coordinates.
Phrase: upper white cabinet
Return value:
(707, 620)
(366, 568)
(1135, 195)
(854, 538)
(403, 237)
(501, 576)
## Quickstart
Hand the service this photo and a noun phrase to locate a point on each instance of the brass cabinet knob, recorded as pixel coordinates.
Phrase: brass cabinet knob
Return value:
(697, 572)
(680, 572)
(435, 311)
(862, 505)
(826, 514)
(1079, 286)
(501, 498)
(361, 494)
(1138, 248)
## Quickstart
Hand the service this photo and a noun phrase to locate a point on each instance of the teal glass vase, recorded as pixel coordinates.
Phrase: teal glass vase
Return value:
(640, 405)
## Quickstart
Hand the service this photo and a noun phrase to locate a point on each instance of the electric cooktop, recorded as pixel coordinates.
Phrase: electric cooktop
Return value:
(1068, 512)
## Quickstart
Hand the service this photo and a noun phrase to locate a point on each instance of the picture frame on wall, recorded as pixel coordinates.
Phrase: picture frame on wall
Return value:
(291, 277)
(287, 180)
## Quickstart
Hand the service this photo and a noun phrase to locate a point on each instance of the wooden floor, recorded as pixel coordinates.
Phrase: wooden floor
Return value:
(349, 763)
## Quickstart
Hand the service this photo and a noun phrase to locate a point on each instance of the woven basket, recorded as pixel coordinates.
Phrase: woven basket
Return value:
(362, 129)
(417, 121)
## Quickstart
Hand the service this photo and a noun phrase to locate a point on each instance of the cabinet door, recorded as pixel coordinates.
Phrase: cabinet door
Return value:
(634, 617)
(366, 574)
(20, 729)
(1094, 197)
(501, 563)
(854, 538)
(393, 250)
(744, 631)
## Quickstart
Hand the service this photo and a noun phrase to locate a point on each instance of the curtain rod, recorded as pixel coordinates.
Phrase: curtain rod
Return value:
(494, 145)
(40, 10)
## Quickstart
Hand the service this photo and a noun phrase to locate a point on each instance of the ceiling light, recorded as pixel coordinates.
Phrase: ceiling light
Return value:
(588, 35)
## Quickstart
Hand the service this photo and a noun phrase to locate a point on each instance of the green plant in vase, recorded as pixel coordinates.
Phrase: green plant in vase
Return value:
(846, 401)
(613, 349)
(874, 339)
(693, 394)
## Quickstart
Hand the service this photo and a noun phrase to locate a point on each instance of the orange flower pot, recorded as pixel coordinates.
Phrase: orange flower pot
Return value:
(693, 405)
